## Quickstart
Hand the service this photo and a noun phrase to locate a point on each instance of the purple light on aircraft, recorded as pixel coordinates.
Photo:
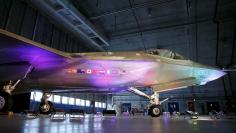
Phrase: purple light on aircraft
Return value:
(215, 74)
(133, 71)
(41, 58)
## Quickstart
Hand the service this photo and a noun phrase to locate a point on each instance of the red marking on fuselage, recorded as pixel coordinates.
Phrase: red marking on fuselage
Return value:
(72, 70)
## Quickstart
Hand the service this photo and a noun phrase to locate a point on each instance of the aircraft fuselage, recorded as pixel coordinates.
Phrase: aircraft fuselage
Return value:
(124, 69)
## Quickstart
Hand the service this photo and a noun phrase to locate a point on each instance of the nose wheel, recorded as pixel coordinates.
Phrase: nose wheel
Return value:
(155, 110)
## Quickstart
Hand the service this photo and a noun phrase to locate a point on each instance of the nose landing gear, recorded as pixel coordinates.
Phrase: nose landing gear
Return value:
(154, 108)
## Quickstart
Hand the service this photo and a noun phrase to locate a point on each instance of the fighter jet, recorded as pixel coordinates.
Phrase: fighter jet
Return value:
(26, 65)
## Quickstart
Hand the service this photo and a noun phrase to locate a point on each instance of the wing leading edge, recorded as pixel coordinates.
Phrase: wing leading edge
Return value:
(17, 52)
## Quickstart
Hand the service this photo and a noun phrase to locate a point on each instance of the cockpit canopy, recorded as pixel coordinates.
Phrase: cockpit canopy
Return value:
(166, 53)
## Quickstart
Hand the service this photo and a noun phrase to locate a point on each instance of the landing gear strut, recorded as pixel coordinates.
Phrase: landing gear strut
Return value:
(154, 108)
(6, 100)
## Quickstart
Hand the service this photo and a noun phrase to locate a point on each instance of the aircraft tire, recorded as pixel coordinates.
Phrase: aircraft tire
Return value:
(46, 108)
(6, 101)
(155, 110)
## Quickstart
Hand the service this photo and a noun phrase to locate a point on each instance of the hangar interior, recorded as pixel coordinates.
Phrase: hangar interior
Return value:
(201, 30)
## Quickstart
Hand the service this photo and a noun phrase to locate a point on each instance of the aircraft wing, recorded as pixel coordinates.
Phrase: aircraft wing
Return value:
(18, 53)
(177, 84)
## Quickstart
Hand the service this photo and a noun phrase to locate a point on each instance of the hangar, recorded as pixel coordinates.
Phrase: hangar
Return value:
(181, 32)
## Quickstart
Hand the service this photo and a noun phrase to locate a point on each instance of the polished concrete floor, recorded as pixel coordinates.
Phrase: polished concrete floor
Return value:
(134, 124)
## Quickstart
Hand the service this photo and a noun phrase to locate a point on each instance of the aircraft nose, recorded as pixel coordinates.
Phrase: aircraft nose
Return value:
(222, 73)
(215, 74)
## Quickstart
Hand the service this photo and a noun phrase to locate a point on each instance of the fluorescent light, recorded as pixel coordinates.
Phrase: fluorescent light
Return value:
(57, 99)
(71, 101)
(38, 96)
(64, 100)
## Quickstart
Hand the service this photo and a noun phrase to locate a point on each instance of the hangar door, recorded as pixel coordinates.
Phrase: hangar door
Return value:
(213, 106)
(191, 106)
(173, 106)
(126, 107)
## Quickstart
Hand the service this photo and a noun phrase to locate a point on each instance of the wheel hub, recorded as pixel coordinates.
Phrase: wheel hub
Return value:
(45, 108)
(2, 102)
(156, 111)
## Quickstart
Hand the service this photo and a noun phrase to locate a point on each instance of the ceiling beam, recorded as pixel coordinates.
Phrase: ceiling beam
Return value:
(66, 15)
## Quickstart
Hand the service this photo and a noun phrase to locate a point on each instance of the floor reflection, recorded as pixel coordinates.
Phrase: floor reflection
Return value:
(114, 124)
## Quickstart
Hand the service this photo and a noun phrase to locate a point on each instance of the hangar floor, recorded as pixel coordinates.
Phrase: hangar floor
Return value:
(135, 124)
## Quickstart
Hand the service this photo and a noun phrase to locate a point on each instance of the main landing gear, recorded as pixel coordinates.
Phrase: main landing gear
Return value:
(46, 107)
(6, 100)
(154, 108)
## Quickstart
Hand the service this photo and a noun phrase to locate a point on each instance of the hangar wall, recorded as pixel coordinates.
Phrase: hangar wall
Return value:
(91, 108)
(203, 34)
(19, 17)
(200, 102)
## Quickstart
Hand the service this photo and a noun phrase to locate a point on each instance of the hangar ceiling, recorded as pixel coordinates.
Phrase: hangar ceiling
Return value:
(190, 27)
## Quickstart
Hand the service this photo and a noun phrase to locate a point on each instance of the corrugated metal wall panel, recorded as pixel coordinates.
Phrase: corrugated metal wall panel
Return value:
(28, 24)
(18, 17)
